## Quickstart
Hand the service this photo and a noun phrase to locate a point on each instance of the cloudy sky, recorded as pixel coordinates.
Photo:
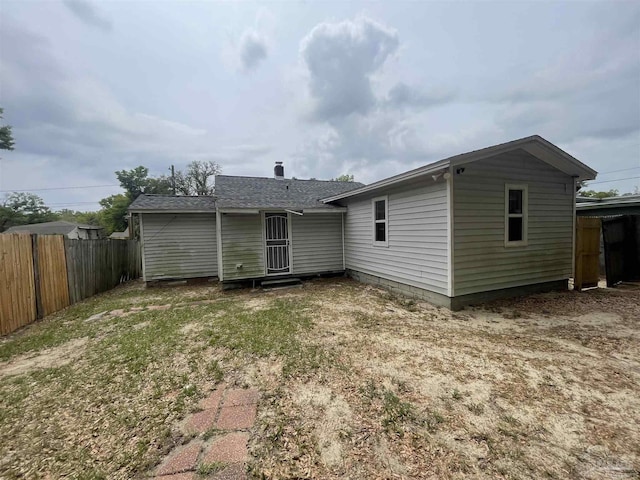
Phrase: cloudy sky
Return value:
(371, 89)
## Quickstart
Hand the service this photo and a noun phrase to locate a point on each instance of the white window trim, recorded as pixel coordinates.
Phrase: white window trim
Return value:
(525, 215)
(385, 221)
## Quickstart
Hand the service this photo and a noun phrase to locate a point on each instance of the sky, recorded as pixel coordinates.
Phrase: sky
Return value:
(366, 88)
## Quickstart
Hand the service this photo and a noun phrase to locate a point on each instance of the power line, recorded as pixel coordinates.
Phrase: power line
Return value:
(58, 188)
(71, 203)
(616, 180)
(616, 171)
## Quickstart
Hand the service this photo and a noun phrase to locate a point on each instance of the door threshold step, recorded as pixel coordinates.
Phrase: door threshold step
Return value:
(281, 283)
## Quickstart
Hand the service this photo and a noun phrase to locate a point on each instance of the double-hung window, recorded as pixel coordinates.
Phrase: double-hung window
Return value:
(380, 207)
(516, 215)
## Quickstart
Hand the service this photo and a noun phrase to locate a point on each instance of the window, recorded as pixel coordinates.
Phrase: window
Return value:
(516, 203)
(380, 223)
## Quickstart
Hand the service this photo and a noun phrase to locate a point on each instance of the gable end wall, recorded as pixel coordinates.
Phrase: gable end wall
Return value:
(481, 262)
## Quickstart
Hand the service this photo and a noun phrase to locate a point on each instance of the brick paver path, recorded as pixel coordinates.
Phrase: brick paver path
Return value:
(226, 415)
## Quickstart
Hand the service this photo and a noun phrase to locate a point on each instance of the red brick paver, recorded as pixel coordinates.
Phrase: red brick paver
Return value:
(229, 410)
(236, 418)
(230, 448)
(178, 476)
(181, 460)
(241, 396)
(213, 400)
(200, 422)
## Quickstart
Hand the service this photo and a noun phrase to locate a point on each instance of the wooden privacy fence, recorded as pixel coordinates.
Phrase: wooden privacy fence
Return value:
(41, 274)
(94, 266)
(587, 267)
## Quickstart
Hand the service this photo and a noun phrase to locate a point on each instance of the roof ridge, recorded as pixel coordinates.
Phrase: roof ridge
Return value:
(285, 179)
(174, 196)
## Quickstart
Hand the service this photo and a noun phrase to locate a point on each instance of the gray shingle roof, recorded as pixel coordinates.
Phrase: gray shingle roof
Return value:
(261, 192)
(170, 203)
(60, 227)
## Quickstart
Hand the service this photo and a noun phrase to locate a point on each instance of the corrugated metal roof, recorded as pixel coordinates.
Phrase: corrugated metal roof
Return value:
(584, 203)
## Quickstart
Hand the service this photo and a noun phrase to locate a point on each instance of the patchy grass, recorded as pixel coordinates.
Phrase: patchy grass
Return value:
(206, 469)
(356, 383)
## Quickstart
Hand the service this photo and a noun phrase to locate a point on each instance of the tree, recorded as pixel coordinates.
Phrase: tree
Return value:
(137, 181)
(114, 212)
(21, 208)
(196, 179)
(594, 194)
(6, 136)
(88, 218)
(343, 178)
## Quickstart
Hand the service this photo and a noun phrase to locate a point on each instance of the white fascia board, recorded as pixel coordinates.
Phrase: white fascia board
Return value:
(324, 210)
(535, 145)
(246, 211)
(172, 211)
(387, 182)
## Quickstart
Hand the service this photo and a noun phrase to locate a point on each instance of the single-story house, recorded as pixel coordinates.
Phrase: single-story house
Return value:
(72, 230)
(489, 223)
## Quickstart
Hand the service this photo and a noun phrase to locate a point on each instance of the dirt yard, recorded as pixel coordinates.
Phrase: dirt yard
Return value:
(356, 383)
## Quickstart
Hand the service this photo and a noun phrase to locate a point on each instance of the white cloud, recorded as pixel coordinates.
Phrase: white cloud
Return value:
(341, 59)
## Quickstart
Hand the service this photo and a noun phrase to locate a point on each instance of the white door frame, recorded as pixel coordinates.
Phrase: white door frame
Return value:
(287, 215)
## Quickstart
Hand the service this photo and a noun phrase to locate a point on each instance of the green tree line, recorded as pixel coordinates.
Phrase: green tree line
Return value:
(20, 208)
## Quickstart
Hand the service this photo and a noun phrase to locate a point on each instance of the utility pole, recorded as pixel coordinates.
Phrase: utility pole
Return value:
(173, 179)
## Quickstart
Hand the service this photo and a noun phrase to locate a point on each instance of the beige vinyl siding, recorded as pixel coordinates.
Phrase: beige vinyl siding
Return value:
(242, 244)
(481, 262)
(179, 245)
(316, 242)
(416, 254)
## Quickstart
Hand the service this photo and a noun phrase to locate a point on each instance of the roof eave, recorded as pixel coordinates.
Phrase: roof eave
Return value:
(595, 206)
(387, 182)
(320, 209)
(546, 151)
(171, 210)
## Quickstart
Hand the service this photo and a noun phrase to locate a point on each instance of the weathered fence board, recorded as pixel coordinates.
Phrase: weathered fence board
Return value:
(42, 274)
(587, 272)
(52, 271)
(99, 265)
(17, 288)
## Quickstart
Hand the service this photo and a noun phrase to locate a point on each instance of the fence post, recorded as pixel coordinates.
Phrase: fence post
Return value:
(36, 275)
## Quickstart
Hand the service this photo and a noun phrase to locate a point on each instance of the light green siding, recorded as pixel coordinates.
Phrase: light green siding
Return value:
(179, 245)
(242, 246)
(316, 243)
(416, 254)
(481, 262)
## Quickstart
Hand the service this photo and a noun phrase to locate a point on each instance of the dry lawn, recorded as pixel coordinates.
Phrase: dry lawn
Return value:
(356, 383)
